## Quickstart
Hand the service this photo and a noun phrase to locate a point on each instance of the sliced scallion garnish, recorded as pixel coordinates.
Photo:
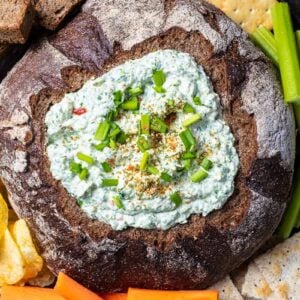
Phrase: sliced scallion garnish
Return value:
(84, 174)
(145, 124)
(158, 125)
(112, 144)
(102, 131)
(153, 170)
(144, 161)
(118, 95)
(192, 120)
(143, 144)
(197, 100)
(199, 175)
(111, 116)
(185, 141)
(187, 163)
(206, 164)
(159, 77)
(166, 177)
(118, 202)
(131, 104)
(176, 199)
(115, 131)
(192, 141)
(188, 155)
(106, 167)
(106, 182)
(75, 168)
(101, 146)
(122, 137)
(188, 108)
(159, 89)
(86, 158)
(136, 91)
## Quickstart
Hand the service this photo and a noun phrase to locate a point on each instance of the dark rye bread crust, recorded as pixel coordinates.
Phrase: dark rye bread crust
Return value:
(188, 256)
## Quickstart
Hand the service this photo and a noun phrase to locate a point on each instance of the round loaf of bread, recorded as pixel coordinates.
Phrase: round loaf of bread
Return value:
(187, 256)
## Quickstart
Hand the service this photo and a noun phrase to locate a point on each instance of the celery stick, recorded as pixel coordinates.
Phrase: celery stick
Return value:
(287, 52)
(298, 40)
(264, 39)
(297, 114)
(290, 217)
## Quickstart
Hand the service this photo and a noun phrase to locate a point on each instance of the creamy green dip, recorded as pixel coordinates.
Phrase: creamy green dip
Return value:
(143, 199)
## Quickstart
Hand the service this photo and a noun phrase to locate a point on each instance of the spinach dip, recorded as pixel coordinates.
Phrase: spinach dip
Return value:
(145, 144)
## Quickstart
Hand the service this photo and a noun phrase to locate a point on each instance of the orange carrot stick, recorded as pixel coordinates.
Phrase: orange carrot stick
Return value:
(72, 290)
(138, 294)
(116, 296)
(28, 293)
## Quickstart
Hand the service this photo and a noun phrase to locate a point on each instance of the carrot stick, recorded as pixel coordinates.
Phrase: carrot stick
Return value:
(72, 290)
(140, 294)
(28, 293)
(116, 296)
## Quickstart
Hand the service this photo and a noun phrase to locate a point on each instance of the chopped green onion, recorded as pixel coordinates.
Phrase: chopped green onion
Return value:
(171, 102)
(118, 202)
(101, 146)
(192, 120)
(197, 100)
(290, 217)
(190, 138)
(185, 141)
(166, 177)
(114, 132)
(79, 202)
(188, 108)
(187, 163)
(131, 104)
(106, 167)
(109, 182)
(159, 77)
(199, 175)
(136, 91)
(206, 164)
(287, 52)
(112, 144)
(176, 199)
(143, 144)
(102, 131)
(118, 95)
(84, 174)
(144, 161)
(158, 125)
(153, 170)
(159, 89)
(145, 124)
(188, 155)
(122, 137)
(264, 39)
(111, 116)
(86, 158)
(75, 168)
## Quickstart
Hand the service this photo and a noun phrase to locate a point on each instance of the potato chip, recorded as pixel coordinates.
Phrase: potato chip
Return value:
(3, 216)
(12, 265)
(248, 14)
(22, 237)
(3, 191)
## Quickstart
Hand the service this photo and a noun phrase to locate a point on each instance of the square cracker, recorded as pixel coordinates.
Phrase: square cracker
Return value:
(227, 290)
(249, 14)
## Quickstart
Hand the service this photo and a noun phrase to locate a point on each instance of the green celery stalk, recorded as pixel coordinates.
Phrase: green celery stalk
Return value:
(287, 52)
(298, 40)
(290, 217)
(264, 39)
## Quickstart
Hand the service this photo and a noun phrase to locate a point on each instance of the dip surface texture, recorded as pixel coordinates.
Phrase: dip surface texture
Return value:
(105, 174)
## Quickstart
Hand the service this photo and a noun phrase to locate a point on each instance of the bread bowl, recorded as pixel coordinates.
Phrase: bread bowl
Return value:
(185, 256)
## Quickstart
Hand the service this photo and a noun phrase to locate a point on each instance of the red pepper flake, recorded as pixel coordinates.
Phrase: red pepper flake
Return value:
(79, 111)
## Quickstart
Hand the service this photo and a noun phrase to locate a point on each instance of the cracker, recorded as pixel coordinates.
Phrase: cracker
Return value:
(248, 14)
(227, 290)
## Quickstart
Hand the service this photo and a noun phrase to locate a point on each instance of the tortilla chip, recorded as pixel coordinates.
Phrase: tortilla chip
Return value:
(227, 290)
(281, 268)
(22, 237)
(255, 285)
(12, 265)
